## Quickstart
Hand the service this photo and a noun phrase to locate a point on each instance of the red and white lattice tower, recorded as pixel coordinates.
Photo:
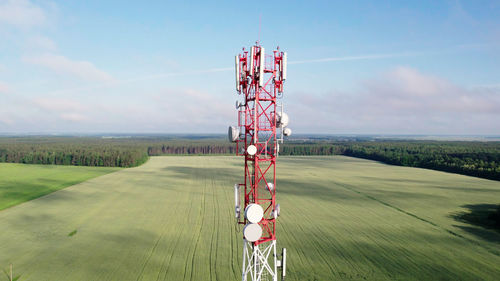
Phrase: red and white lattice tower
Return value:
(261, 127)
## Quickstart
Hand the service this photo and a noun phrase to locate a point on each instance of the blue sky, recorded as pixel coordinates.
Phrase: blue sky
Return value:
(356, 67)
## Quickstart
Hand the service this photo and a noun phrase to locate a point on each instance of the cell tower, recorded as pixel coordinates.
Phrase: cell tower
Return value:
(262, 124)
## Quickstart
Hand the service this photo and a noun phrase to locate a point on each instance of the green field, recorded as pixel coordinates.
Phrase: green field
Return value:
(172, 219)
(20, 183)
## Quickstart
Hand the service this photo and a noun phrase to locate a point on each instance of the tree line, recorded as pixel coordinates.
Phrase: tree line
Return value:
(479, 159)
(474, 158)
(71, 151)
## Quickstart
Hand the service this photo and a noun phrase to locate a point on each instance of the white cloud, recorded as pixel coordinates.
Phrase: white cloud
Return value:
(6, 120)
(189, 109)
(60, 64)
(57, 111)
(21, 13)
(411, 92)
(351, 58)
(75, 117)
(58, 104)
(41, 42)
(4, 88)
(402, 101)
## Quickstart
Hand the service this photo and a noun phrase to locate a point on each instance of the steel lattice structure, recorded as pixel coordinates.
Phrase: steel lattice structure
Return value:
(260, 130)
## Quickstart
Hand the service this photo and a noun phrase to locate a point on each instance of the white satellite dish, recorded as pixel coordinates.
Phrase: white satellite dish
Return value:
(254, 213)
(270, 186)
(276, 211)
(252, 232)
(282, 119)
(233, 133)
(287, 131)
(252, 149)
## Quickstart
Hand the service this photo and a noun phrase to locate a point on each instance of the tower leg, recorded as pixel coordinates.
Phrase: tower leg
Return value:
(259, 262)
(275, 277)
(243, 272)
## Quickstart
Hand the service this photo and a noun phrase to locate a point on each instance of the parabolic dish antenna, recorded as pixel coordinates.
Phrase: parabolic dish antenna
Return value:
(282, 119)
(238, 104)
(276, 212)
(233, 133)
(254, 213)
(252, 232)
(287, 131)
(252, 149)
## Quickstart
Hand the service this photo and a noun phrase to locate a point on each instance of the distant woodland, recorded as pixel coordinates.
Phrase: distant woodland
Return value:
(71, 151)
(474, 158)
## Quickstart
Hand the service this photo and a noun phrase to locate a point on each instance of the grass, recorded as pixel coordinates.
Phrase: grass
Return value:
(172, 219)
(20, 182)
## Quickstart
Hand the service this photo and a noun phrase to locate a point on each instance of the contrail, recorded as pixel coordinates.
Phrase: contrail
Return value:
(224, 69)
(349, 58)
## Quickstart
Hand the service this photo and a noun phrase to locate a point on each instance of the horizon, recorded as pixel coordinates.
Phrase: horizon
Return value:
(386, 68)
(295, 137)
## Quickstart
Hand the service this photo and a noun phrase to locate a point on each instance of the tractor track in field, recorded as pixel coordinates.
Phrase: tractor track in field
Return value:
(139, 276)
(216, 226)
(352, 189)
(166, 265)
(176, 245)
(200, 215)
(214, 229)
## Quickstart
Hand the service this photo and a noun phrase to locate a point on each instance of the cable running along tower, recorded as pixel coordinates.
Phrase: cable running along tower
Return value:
(261, 126)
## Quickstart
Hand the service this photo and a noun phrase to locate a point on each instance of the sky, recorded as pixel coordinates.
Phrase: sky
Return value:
(355, 67)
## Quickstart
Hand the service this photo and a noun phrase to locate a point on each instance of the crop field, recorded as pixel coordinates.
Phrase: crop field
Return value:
(172, 219)
(20, 182)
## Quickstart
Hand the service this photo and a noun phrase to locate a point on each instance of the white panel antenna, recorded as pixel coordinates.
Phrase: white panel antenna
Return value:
(252, 55)
(233, 133)
(284, 66)
(237, 200)
(283, 264)
(237, 68)
(262, 66)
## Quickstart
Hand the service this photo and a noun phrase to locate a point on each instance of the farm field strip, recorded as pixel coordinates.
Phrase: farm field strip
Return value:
(172, 219)
(21, 182)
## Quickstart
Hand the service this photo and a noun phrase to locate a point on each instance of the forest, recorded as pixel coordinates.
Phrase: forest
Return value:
(474, 158)
(72, 151)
